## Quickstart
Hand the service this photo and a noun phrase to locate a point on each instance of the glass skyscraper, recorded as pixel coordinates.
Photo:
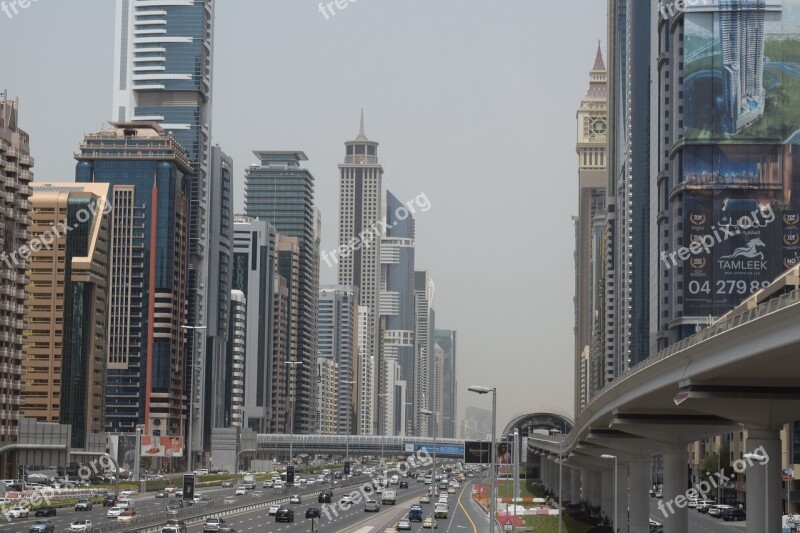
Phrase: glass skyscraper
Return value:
(163, 73)
(147, 170)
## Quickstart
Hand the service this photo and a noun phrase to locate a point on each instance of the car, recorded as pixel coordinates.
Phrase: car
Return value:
(46, 510)
(313, 512)
(161, 494)
(204, 500)
(176, 525)
(371, 506)
(415, 514)
(230, 499)
(83, 505)
(213, 523)
(273, 509)
(659, 494)
(430, 523)
(325, 496)
(716, 510)
(258, 493)
(424, 499)
(126, 515)
(403, 485)
(42, 526)
(734, 515)
(114, 512)
(268, 484)
(109, 501)
(240, 491)
(346, 499)
(81, 526)
(228, 483)
(127, 493)
(295, 499)
(451, 490)
(179, 493)
(17, 512)
(390, 530)
(404, 523)
(703, 505)
(284, 514)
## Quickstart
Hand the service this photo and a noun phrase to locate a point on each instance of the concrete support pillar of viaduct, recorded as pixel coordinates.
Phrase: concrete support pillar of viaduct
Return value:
(638, 494)
(764, 492)
(543, 471)
(554, 473)
(621, 498)
(566, 484)
(676, 482)
(607, 493)
(575, 485)
(595, 483)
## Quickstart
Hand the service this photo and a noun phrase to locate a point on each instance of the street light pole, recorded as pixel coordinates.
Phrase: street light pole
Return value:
(493, 477)
(614, 457)
(560, 490)
(192, 385)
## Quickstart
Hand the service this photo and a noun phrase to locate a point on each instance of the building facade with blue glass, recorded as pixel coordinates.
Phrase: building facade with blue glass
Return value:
(147, 171)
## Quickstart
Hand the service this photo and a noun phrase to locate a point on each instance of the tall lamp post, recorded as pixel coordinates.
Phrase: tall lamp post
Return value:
(291, 413)
(431, 414)
(478, 389)
(614, 457)
(192, 399)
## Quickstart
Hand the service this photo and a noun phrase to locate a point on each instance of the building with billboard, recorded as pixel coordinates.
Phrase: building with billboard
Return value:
(163, 72)
(279, 190)
(67, 328)
(15, 178)
(146, 170)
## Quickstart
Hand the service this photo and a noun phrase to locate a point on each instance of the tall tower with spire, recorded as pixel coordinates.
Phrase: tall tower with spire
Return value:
(592, 124)
(361, 216)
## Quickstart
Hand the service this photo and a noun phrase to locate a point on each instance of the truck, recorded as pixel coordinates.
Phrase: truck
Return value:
(440, 510)
(389, 497)
(249, 482)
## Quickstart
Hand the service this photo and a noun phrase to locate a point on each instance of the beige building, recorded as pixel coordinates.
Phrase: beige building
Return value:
(327, 379)
(15, 177)
(67, 310)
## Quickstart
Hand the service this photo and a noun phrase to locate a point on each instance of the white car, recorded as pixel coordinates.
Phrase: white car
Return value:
(82, 526)
(268, 484)
(114, 512)
(273, 509)
(346, 499)
(240, 491)
(17, 512)
(126, 493)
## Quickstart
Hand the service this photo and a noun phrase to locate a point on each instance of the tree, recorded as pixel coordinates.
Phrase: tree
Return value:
(713, 463)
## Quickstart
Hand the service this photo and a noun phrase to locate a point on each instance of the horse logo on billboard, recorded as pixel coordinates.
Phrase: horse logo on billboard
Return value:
(750, 251)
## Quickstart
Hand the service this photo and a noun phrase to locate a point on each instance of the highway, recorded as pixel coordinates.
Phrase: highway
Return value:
(353, 519)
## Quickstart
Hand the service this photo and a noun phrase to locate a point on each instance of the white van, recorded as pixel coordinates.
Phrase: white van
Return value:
(440, 510)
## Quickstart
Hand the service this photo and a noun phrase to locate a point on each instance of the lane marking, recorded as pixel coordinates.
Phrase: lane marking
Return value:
(474, 527)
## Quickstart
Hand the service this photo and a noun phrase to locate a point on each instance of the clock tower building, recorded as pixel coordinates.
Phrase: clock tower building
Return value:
(590, 237)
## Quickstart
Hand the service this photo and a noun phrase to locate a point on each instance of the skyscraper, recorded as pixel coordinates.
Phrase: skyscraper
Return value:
(220, 259)
(15, 177)
(66, 348)
(147, 171)
(163, 73)
(287, 274)
(446, 343)
(279, 190)
(254, 251)
(360, 215)
(592, 120)
(366, 377)
(338, 341)
(397, 308)
(236, 360)
(423, 338)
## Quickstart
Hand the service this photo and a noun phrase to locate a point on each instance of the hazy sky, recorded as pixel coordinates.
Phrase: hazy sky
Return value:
(473, 103)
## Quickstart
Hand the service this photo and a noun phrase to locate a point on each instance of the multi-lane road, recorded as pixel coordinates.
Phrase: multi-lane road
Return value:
(699, 522)
(463, 517)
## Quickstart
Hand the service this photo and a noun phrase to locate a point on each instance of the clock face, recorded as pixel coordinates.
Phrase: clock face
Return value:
(598, 127)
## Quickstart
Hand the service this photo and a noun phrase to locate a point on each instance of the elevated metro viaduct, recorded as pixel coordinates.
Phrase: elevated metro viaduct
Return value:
(535, 424)
(742, 372)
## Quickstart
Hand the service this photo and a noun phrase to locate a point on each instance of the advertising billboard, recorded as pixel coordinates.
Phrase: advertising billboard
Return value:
(188, 486)
(477, 452)
(441, 449)
(740, 222)
(162, 446)
(741, 77)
